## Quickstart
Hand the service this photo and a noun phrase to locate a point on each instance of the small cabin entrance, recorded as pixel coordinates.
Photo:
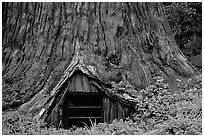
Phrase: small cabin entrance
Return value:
(82, 102)
(80, 108)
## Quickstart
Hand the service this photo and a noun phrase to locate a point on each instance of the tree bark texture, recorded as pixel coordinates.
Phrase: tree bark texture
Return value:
(121, 41)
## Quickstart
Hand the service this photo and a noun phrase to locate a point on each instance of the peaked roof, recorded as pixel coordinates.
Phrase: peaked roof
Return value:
(79, 82)
(39, 101)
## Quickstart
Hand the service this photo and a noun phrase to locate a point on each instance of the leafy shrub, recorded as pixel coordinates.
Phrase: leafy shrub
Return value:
(185, 20)
(159, 105)
(14, 123)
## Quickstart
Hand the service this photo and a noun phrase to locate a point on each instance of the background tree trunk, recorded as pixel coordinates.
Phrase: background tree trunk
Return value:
(122, 41)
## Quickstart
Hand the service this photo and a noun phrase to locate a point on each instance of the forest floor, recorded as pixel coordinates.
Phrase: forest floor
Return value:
(158, 111)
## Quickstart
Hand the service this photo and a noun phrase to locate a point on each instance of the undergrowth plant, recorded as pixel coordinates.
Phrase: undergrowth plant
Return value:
(92, 129)
(181, 109)
(159, 111)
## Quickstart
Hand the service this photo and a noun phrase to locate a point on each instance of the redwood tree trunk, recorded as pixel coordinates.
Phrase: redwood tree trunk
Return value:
(122, 41)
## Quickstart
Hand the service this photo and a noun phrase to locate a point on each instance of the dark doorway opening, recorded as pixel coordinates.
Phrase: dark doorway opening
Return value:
(79, 109)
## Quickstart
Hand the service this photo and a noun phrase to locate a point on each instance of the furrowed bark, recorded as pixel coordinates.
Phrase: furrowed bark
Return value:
(122, 41)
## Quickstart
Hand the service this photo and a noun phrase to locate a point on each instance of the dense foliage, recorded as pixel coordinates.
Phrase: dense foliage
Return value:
(178, 111)
(159, 111)
(185, 20)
